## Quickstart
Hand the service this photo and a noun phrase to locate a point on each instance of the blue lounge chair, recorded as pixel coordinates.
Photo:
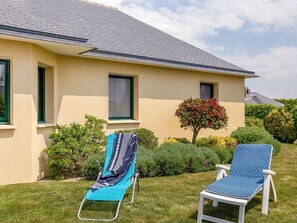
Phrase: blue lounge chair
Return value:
(118, 174)
(249, 174)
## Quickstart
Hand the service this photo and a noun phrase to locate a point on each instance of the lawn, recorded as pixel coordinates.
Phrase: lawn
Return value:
(161, 199)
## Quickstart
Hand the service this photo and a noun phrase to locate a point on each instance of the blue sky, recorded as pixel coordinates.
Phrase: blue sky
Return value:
(257, 35)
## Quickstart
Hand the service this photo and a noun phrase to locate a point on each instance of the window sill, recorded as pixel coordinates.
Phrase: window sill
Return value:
(45, 125)
(7, 127)
(117, 122)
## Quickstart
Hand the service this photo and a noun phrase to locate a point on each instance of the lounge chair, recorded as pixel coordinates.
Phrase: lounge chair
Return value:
(249, 174)
(118, 174)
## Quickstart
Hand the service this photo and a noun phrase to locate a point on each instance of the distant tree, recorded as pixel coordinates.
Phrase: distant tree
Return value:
(196, 114)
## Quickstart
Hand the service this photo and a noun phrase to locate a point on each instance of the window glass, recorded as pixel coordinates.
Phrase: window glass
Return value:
(120, 97)
(206, 91)
(4, 91)
(41, 94)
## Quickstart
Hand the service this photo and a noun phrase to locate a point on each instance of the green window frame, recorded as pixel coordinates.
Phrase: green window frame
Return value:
(131, 98)
(41, 95)
(209, 88)
(5, 116)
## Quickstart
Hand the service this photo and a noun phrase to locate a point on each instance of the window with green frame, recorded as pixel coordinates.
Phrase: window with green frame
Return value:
(41, 94)
(4, 91)
(121, 97)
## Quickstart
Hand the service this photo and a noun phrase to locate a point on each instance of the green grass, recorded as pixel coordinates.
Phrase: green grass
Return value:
(162, 199)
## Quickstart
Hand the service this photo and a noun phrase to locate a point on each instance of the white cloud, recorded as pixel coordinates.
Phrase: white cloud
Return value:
(276, 68)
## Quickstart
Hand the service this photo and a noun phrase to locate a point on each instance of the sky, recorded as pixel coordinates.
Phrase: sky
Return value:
(257, 35)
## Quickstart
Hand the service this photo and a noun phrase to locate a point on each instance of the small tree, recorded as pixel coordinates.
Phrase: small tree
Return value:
(196, 114)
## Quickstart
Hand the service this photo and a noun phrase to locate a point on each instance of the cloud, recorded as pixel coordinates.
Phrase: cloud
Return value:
(276, 68)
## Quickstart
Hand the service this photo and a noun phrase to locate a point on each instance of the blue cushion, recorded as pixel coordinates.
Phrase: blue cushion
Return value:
(246, 172)
(236, 187)
(251, 159)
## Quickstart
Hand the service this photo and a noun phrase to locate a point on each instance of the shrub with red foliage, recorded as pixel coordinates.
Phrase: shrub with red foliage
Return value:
(196, 114)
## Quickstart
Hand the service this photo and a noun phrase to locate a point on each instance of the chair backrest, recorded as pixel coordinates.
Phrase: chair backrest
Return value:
(108, 153)
(251, 159)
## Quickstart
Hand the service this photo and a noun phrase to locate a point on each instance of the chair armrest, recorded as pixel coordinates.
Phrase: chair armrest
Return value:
(268, 172)
(220, 166)
(221, 171)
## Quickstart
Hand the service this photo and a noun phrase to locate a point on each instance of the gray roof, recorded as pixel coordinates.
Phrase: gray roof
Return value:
(256, 98)
(112, 34)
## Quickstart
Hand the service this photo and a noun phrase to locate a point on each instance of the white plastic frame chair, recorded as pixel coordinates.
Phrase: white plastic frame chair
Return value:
(221, 173)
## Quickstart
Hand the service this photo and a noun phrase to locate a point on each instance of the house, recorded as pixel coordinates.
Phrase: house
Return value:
(255, 98)
(60, 60)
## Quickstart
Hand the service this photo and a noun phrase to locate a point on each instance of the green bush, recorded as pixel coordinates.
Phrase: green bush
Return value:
(211, 158)
(252, 121)
(223, 146)
(170, 159)
(146, 164)
(294, 115)
(258, 111)
(72, 144)
(290, 103)
(249, 134)
(269, 140)
(90, 169)
(194, 158)
(182, 140)
(281, 125)
(145, 137)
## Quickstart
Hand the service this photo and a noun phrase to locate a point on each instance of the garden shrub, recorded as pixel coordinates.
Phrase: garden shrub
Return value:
(269, 140)
(170, 159)
(252, 121)
(194, 158)
(290, 103)
(145, 137)
(294, 115)
(258, 111)
(249, 134)
(176, 139)
(223, 146)
(211, 158)
(90, 169)
(281, 125)
(146, 164)
(71, 146)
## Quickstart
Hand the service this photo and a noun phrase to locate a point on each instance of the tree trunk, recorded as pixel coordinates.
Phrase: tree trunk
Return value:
(195, 134)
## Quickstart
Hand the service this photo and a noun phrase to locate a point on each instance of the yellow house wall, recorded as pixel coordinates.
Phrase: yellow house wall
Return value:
(79, 86)
(15, 144)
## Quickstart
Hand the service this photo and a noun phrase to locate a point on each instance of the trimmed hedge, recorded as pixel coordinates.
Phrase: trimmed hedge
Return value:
(294, 115)
(249, 134)
(290, 103)
(146, 163)
(175, 158)
(258, 111)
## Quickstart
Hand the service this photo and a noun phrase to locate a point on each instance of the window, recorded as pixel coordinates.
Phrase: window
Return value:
(4, 92)
(206, 91)
(120, 97)
(41, 94)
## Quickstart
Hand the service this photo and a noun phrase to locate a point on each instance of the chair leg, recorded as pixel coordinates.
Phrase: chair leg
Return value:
(200, 209)
(265, 198)
(97, 219)
(273, 190)
(133, 190)
(241, 213)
